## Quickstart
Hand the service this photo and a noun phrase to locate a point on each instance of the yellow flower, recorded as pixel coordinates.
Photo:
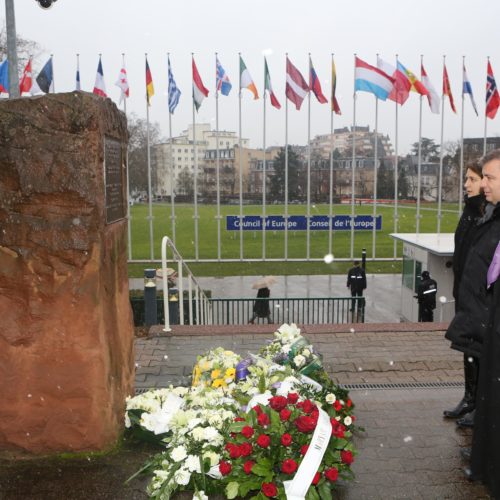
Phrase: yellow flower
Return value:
(215, 374)
(196, 375)
(228, 353)
(230, 372)
(219, 382)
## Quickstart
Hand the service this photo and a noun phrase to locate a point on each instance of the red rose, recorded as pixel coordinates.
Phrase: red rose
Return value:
(247, 466)
(316, 478)
(349, 403)
(257, 409)
(335, 423)
(263, 419)
(292, 397)
(263, 440)
(277, 403)
(269, 489)
(346, 457)
(338, 432)
(245, 449)
(353, 418)
(289, 466)
(337, 405)
(225, 468)
(247, 431)
(286, 439)
(239, 419)
(303, 449)
(234, 450)
(285, 414)
(332, 474)
(305, 424)
(307, 406)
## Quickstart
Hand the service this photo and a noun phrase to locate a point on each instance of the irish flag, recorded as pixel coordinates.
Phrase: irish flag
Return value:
(246, 81)
(268, 86)
(199, 90)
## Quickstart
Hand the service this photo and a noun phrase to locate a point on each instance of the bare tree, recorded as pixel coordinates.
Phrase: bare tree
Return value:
(25, 49)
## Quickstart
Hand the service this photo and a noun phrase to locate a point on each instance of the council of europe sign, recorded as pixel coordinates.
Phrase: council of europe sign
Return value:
(299, 223)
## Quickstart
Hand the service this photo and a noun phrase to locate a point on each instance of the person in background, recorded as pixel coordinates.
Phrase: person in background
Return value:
(356, 281)
(261, 306)
(474, 204)
(426, 295)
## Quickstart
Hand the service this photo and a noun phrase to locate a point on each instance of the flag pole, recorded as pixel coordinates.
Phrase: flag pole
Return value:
(308, 189)
(375, 160)
(240, 166)
(353, 166)
(78, 72)
(440, 181)
(419, 160)
(330, 187)
(172, 163)
(396, 174)
(195, 180)
(485, 115)
(150, 193)
(461, 177)
(264, 167)
(53, 85)
(129, 217)
(217, 160)
(286, 174)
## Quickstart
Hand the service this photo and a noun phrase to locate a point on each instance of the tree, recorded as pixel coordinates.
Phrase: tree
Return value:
(185, 183)
(429, 149)
(138, 151)
(25, 49)
(277, 184)
(385, 181)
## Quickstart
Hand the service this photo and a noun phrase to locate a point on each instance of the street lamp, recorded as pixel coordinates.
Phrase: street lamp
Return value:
(46, 4)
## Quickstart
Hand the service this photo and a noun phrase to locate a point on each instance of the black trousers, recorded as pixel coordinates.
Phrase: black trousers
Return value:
(361, 302)
(425, 314)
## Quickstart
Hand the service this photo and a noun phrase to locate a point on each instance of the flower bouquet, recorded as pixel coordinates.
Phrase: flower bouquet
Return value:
(216, 368)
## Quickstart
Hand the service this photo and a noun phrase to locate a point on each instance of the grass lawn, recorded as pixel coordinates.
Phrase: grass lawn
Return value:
(252, 240)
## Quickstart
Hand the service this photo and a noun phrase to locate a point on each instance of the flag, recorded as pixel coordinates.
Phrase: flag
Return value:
(222, 82)
(122, 83)
(150, 90)
(26, 80)
(371, 79)
(246, 81)
(4, 77)
(315, 85)
(199, 90)
(45, 78)
(100, 86)
(78, 84)
(447, 88)
(432, 96)
(492, 97)
(402, 85)
(467, 89)
(416, 84)
(174, 93)
(335, 104)
(296, 86)
(269, 87)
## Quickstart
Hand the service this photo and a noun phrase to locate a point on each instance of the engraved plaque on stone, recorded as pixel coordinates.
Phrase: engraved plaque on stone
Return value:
(113, 180)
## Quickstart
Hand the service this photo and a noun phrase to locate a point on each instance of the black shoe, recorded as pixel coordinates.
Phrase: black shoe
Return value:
(466, 453)
(460, 410)
(467, 421)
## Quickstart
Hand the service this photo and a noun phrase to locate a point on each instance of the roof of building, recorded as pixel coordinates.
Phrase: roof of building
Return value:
(437, 244)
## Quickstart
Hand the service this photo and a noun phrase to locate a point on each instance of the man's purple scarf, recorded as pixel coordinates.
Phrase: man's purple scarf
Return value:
(494, 269)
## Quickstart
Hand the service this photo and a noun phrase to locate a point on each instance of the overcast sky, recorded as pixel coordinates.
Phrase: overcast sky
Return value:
(434, 28)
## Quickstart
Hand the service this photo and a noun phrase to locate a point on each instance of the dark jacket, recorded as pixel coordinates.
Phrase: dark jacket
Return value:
(473, 210)
(261, 307)
(467, 329)
(426, 293)
(356, 279)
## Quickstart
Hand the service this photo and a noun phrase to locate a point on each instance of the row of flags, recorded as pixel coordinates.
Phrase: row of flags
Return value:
(384, 80)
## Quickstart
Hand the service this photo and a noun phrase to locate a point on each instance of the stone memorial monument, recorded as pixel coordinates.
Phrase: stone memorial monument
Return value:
(66, 333)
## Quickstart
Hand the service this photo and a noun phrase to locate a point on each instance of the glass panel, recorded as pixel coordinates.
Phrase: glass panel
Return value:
(418, 272)
(408, 266)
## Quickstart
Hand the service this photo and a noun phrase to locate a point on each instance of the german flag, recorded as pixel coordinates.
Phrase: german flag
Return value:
(150, 90)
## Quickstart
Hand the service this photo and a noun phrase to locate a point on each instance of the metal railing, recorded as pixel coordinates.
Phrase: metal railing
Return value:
(199, 305)
(305, 311)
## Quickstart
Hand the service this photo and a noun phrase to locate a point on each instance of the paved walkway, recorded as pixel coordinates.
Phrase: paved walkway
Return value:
(407, 450)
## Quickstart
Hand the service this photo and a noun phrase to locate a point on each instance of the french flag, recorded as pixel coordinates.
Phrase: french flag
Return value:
(368, 78)
(100, 86)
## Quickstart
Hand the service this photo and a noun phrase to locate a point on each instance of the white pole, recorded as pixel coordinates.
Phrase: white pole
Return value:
(217, 163)
(240, 166)
(190, 298)
(461, 177)
(375, 183)
(485, 116)
(440, 183)
(195, 183)
(180, 288)
(172, 174)
(166, 313)
(396, 174)
(129, 217)
(264, 167)
(150, 192)
(353, 166)
(286, 174)
(308, 188)
(53, 85)
(330, 187)
(419, 161)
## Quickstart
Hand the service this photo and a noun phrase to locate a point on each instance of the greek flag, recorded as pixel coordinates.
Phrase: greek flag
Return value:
(467, 89)
(174, 93)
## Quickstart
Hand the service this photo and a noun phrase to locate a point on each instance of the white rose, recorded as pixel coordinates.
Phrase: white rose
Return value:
(286, 348)
(330, 398)
(193, 463)
(198, 434)
(179, 453)
(200, 495)
(348, 420)
(128, 423)
(212, 456)
(299, 360)
(306, 353)
(211, 434)
(182, 476)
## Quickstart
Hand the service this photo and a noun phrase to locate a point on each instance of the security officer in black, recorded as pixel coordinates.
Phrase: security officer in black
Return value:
(356, 281)
(426, 295)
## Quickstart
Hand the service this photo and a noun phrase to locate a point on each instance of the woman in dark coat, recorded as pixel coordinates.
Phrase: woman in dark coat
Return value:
(261, 306)
(474, 204)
